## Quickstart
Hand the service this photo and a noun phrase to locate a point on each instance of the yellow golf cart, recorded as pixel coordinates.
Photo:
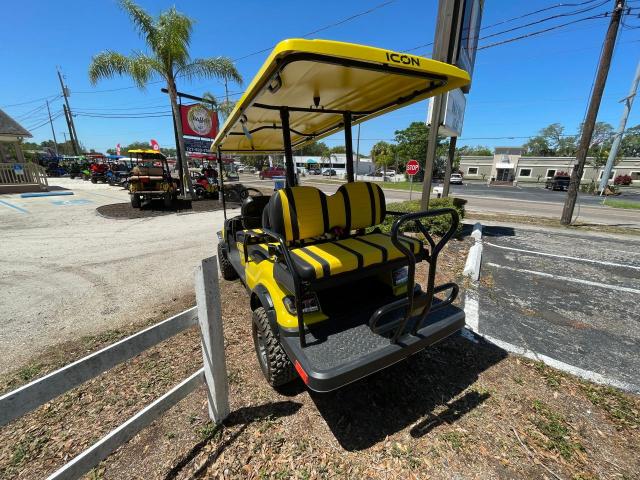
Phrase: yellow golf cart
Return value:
(333, 298)
(150, 178)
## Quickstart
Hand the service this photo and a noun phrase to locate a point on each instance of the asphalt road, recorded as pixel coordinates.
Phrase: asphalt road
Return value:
(526, 201)
(571, 297)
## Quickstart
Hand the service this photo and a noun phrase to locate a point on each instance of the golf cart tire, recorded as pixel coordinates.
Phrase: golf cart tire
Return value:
(94, 180)
(226, 268)
(275, 365)
(168, 200)
(135, 201)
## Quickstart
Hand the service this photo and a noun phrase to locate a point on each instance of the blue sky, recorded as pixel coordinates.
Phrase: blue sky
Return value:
(518, 87)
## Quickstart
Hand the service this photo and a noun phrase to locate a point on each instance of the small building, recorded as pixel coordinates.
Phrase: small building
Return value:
(15, 174)
(509, 165)
(336, 161)
(11, 132)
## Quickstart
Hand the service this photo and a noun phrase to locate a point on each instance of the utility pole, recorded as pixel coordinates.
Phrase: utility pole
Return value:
(592, 112)
(443, 51)
(72, 127)
(449, 166)
(55, 142)
(628, 103)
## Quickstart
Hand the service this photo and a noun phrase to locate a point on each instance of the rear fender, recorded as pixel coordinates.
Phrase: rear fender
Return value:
(260, 297)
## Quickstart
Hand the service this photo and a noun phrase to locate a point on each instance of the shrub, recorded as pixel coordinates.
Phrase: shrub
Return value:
(562, 174)
(436, 225)
(622, 180)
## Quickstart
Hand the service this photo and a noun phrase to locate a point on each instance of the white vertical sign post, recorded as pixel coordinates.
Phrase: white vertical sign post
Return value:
(212, 337)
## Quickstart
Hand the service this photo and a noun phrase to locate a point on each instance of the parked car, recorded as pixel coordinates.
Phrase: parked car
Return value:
(314, 171)
(558, 183)
(329, 172)
(272, 172)
(456, 179)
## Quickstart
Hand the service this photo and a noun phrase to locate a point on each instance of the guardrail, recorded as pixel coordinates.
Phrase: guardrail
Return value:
(23, 174)
(213, 374)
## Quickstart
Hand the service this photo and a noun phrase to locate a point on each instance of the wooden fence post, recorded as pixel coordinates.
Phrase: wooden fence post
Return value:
(210, 320)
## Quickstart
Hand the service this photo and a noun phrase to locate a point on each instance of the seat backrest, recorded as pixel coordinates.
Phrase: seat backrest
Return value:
(299, 213)
(364, 203)
(251, 210)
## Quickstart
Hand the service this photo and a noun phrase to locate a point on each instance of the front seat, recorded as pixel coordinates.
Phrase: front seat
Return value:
(251, 210)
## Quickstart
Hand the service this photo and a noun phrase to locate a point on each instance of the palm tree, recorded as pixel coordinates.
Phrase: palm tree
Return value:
(167, 37)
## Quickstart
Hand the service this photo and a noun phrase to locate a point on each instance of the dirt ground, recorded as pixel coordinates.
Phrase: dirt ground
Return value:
(67, 272)
(462, 409)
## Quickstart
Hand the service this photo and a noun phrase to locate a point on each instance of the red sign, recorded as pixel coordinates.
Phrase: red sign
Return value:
(118, 149)
(413, 167)
(154, 145)
(199, 121)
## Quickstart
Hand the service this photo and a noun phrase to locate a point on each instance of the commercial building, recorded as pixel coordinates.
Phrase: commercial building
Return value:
(336, 161)
(509, 165)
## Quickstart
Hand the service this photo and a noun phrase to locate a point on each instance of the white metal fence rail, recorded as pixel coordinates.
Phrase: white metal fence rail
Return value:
(22, 173)
(213, 373)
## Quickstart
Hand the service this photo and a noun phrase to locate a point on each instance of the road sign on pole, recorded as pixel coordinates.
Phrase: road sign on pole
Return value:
(413, 167)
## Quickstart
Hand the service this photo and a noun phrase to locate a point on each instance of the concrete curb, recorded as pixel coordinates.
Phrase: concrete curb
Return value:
(474, 259)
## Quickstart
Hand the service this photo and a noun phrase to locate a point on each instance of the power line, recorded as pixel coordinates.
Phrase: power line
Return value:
(41, 99)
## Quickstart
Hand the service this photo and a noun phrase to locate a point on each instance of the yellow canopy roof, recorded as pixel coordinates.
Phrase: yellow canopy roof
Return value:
(146, 152)
(319, 80)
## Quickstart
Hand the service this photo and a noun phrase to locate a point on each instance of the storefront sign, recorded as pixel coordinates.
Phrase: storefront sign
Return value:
(194, 145)
(199, 121)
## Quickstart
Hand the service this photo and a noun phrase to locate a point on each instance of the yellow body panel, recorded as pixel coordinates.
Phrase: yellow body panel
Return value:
(343, 76)
(261, 273)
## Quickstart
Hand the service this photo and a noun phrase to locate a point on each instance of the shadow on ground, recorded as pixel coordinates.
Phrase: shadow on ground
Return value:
(488, 231)
(155, 209)
(243, 417)
(367, 411)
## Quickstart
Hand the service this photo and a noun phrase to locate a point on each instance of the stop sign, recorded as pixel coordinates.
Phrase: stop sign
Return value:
(413, 167)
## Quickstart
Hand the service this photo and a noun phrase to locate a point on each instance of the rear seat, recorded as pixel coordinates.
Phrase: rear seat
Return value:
(318, 229)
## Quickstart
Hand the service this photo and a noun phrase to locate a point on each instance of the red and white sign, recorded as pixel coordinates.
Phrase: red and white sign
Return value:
(154, 145)
(118, 149)
(199, 121)
(413, 167)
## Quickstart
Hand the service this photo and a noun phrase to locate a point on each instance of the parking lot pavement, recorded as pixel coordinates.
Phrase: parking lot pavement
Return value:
(571, 297)
(66, 272)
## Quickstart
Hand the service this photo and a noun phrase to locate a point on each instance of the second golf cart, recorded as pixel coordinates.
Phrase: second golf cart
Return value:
(150, 179)
(333, 297)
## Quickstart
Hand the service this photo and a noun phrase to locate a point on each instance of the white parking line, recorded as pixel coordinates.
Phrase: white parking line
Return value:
(566, 279)
(555, 255)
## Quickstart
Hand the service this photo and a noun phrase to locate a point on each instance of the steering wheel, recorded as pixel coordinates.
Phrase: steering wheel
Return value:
(245, 192)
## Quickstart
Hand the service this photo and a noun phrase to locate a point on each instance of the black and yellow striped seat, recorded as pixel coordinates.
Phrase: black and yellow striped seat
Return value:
(322, 260)
(326, 232)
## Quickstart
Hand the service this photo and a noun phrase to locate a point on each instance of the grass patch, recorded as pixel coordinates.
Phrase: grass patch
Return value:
(550, 375)
(554, 426)
(29, 372)
(621, 203)
(623, 411)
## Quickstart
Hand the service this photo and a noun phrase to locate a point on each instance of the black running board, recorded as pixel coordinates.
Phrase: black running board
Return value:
(336, 358)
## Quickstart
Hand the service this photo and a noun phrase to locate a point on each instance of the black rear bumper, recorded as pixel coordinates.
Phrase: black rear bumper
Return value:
(334, 357)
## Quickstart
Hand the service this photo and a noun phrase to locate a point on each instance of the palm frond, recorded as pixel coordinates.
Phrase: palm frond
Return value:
(219, 67)
(143, 68)
(140, 18)
(173, 37)
(108, 64)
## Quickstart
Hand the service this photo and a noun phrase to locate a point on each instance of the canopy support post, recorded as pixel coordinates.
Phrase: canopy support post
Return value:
(348, 144)
(221, 192)
(288, 153)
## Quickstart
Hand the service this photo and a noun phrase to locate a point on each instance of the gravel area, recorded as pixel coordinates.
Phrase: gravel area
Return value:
(66, 271)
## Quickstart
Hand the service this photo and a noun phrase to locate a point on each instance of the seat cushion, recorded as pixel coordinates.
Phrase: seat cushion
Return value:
(326, 259)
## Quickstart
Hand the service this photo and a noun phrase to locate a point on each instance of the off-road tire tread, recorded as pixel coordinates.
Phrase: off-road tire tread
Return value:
(280, 368)
(228, 272)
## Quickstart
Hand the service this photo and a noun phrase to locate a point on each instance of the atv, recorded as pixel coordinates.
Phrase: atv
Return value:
(334, 297)
(150, 179)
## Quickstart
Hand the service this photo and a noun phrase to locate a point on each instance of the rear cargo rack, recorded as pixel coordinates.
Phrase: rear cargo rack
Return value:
(416, 307)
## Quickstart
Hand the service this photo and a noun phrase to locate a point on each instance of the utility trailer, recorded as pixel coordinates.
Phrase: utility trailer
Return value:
(334, 299)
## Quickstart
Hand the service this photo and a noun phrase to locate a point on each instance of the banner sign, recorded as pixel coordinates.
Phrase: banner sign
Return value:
(194, 145)
(199, 121)
(469, 33)
(118, 149)
(154, 145)
(455, 104)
